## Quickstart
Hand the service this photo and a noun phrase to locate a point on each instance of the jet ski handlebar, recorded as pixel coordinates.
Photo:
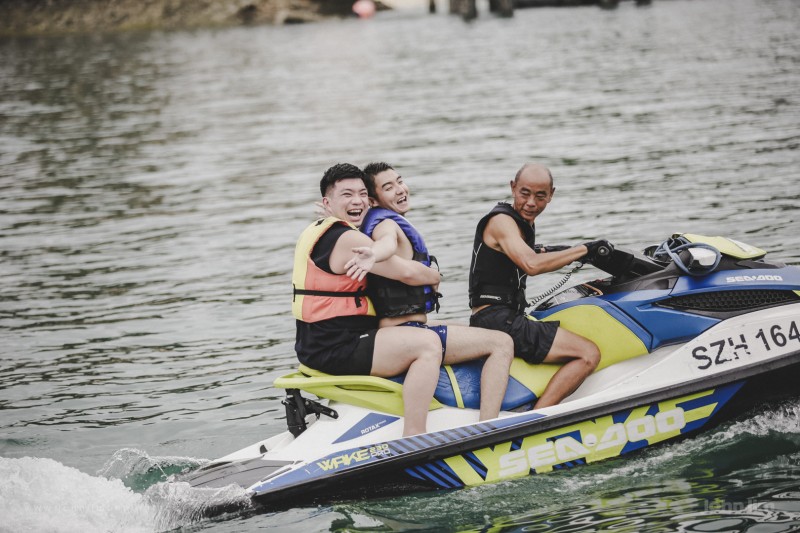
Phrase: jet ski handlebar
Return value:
(621, 262)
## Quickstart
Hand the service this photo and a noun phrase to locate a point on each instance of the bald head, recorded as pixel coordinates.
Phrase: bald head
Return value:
(534, 171)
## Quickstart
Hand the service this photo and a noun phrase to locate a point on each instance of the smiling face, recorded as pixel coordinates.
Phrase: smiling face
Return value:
(347, 199)
(391, 192)
(532, 190)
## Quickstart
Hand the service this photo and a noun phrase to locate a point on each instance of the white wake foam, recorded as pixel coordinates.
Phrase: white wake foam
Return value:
(44, 495)
(38, 494)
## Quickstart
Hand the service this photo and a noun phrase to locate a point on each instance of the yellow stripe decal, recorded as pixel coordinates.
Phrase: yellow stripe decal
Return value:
(456, 388)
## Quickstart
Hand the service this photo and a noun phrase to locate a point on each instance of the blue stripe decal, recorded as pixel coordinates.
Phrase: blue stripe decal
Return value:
(653, 410)
(462, 433)
(418, 441)
(446, 436)
(476, 464)
(428, 440)
(420, 474)
(454, 435)
(455, 479)
(439, 473)
(401, 446)
(621, 417)
(570, 464)
(632, 446)
(483, 427)
(574, 434)
(720, 396)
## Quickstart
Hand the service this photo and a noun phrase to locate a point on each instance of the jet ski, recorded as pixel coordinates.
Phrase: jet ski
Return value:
(691, 332)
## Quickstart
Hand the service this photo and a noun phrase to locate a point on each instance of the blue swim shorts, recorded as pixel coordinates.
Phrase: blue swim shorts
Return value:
(440, 330)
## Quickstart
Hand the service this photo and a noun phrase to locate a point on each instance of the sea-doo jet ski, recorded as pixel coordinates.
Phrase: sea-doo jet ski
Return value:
(691, 333)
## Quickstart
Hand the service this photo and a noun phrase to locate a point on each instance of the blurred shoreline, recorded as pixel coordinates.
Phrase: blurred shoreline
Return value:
(50, 17)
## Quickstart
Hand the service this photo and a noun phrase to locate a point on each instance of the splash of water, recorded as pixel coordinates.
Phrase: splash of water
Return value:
(39, 494)
(175, 503)
(44, 495)
(138, 470)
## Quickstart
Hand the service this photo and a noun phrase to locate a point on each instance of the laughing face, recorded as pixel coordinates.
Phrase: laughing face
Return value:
(347, 199)
(391, 192)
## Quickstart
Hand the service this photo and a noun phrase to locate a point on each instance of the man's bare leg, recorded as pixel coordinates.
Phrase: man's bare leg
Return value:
(418, 352)
(465, 343)
(580, 357)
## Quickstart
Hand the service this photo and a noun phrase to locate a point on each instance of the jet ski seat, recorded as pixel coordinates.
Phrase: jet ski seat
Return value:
(459, 385)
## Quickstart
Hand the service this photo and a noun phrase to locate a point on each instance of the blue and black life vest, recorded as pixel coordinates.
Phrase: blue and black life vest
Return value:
(493, 276)
(391, 297)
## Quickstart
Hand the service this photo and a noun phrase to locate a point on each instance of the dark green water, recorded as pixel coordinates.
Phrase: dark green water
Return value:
(152, 187)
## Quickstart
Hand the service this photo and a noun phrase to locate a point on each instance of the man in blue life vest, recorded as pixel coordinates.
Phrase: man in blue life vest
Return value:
(503, 256)
(337, 330)
(400, 304)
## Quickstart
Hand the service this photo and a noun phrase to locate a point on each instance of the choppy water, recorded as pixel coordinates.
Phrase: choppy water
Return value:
(152, 186)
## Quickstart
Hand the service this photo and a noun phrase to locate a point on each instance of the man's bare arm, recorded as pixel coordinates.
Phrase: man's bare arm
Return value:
(384, 246)
(404, 270)
(407, 271)
(385, 237)
(503, 235)
(386, 234)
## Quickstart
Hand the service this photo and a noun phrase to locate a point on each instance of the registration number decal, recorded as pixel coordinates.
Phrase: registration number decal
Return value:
(776, 339)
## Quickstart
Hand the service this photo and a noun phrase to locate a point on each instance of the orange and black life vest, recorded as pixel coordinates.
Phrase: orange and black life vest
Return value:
(319, 295)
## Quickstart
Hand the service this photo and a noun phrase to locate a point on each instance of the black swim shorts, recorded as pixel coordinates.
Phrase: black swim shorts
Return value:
(351, 358)
(532, 338)
(360, 362)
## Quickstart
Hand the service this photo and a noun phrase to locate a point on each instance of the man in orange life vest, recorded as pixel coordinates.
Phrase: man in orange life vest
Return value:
(337, 330)
(400, 304)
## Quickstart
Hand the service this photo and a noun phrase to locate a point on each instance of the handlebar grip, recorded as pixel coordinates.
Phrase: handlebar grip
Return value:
(603, 251)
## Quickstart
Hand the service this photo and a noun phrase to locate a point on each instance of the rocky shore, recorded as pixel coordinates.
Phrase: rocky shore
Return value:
(42, 17)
